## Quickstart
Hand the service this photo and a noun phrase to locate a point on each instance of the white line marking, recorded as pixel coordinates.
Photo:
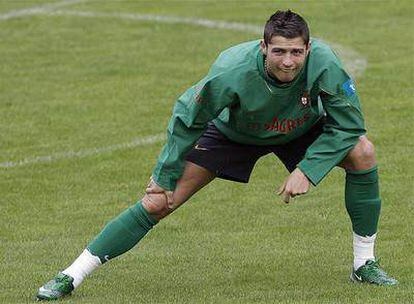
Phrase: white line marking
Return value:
(353, 60)
(84, 153)
(166, 19)
(37, 9)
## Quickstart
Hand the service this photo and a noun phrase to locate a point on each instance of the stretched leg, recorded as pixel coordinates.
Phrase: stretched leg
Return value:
(363, 203)
(125, 231)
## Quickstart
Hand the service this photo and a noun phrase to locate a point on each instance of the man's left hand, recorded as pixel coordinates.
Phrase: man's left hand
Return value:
(296, 184)
(154, 188)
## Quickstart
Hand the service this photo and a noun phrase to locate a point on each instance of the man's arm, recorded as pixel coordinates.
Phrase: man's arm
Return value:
(344, 125)
(192, 112)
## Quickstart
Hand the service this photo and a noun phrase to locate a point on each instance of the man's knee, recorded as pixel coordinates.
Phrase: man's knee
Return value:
(361, 157)
(156, 205)
(364, 149)
(192, 180)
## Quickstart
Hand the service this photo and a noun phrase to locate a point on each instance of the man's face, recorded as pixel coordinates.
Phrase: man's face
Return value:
(285, 57)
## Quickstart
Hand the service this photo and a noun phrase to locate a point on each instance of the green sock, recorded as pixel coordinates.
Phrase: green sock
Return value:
(122, 233)
(362, 200)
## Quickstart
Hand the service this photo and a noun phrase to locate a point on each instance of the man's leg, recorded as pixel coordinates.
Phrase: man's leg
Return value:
(137, 220)
(125, 231)
(363, 203)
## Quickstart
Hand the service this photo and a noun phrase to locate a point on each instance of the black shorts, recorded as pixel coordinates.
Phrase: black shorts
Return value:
(235, 161)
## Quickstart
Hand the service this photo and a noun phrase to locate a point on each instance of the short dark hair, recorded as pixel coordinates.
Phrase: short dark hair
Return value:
(287, 24)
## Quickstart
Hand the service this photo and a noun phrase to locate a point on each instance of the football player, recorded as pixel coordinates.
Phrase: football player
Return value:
(285, 94)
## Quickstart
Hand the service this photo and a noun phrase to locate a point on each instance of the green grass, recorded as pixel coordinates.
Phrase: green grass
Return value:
(71, 83)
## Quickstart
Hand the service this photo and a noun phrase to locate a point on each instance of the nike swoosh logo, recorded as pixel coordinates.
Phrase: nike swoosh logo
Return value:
(197, 147)
(358, 277)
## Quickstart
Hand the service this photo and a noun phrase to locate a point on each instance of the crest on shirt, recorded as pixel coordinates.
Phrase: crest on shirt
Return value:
(305, 100)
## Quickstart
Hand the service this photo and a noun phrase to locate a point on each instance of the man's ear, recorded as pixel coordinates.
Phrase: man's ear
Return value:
(308, 47)
(263, 47)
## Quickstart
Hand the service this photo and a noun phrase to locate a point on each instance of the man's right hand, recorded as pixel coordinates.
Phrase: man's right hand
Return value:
(296, 184)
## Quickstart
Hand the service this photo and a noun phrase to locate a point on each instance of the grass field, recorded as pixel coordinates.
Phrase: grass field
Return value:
(85, 84)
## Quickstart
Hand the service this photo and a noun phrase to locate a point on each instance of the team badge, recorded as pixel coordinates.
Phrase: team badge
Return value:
(305, 100)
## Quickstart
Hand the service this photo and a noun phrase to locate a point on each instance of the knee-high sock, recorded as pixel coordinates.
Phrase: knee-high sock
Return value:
(122, 233)
(362, 200)
(363, 204)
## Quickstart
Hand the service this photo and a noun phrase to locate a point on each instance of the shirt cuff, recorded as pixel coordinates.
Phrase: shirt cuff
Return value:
(313, 172)
(164, 178)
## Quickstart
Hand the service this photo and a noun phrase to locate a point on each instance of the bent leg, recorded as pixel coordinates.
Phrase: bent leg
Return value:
(363, 204)
(362, 197)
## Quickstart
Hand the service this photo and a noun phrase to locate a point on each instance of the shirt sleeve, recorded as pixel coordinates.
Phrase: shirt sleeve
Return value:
(192, 112)
(344, 125)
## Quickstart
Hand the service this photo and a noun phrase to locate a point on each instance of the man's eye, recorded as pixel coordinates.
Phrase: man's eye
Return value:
(297, 52)
(276, 51)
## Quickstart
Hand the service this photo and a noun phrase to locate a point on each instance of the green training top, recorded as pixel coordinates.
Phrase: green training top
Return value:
(249, 107)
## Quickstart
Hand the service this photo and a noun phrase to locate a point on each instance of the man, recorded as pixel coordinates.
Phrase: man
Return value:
(285, 95)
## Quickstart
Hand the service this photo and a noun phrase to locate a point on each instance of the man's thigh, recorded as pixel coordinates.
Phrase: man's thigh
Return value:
(193, 179)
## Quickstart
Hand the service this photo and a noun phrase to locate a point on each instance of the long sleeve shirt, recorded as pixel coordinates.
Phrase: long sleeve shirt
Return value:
(249, 107)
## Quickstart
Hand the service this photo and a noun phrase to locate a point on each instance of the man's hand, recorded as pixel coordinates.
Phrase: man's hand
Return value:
(296, 184)
(153, 188)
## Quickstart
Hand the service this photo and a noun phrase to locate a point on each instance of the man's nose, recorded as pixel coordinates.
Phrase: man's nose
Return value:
(287, 61)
